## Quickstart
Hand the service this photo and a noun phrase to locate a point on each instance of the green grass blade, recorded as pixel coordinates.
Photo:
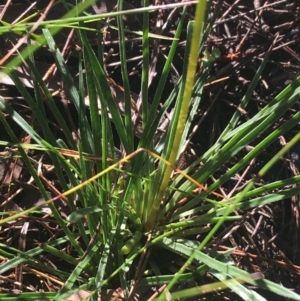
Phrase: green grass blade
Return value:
(65, 291)
(40, 41)
(182, 108)
(232, 271)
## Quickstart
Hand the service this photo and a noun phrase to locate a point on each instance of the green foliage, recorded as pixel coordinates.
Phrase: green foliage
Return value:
(134, 204)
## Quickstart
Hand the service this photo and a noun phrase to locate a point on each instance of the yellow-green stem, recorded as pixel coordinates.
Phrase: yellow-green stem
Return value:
(192, 64)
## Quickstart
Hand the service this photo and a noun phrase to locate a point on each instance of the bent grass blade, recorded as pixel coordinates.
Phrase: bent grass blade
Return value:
(100, 174)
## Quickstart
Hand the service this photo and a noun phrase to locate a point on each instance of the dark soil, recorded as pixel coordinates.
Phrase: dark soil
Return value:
(268, 239)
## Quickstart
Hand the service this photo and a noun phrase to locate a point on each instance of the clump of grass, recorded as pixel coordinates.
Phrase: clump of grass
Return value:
(121, 208)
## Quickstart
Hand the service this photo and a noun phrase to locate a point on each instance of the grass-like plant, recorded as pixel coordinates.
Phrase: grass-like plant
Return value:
(122, 208)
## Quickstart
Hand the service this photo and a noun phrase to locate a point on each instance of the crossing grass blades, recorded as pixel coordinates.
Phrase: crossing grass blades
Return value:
(128, 203)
